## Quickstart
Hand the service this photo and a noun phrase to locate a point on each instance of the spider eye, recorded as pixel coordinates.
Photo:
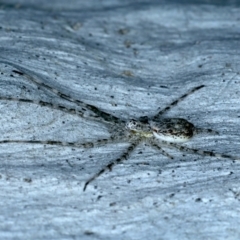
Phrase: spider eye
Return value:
(133, 122)
(143, 119)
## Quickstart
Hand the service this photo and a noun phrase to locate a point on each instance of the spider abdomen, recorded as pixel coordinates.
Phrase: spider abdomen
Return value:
(172, 129)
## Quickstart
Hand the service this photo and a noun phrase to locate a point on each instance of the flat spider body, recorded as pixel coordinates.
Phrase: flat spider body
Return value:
(155, 131)
(173, 129)
(166, 129)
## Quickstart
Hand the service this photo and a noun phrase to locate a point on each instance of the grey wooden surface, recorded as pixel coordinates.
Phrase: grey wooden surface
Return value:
(128, 58)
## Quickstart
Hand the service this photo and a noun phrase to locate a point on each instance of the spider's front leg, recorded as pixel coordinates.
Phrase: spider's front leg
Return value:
(90, 144)
(32, 77)
(125, 155)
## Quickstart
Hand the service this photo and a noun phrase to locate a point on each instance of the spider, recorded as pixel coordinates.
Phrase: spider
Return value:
(156, 130)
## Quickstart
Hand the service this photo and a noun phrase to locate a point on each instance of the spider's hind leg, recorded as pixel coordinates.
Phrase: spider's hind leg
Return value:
(174, 103)
(200, 152)
(155, 144)
(204, 130)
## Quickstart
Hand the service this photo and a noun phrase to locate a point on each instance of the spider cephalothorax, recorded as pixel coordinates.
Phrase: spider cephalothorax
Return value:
(139, 128)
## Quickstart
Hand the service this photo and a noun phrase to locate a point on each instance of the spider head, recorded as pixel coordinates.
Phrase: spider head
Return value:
(132, 124)
(138, 127)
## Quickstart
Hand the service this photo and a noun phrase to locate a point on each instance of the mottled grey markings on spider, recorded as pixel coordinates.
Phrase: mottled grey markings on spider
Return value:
(155, 131)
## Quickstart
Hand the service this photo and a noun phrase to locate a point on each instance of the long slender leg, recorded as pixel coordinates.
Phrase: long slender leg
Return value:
(199, 152)
(205, 130)
(106, 116)
(46, 104)
(62, 108)
(155, 144)
(28, 75)
(109, 167)
(174, 103)
(96, 143)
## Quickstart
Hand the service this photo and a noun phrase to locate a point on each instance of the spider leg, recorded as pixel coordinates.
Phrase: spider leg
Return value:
(46, 104)
(109, 167)
(205, 130)
(62, 108)
(174, 103)
(40, 83)
(96, 143)
(199, 152)
(155, 144)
